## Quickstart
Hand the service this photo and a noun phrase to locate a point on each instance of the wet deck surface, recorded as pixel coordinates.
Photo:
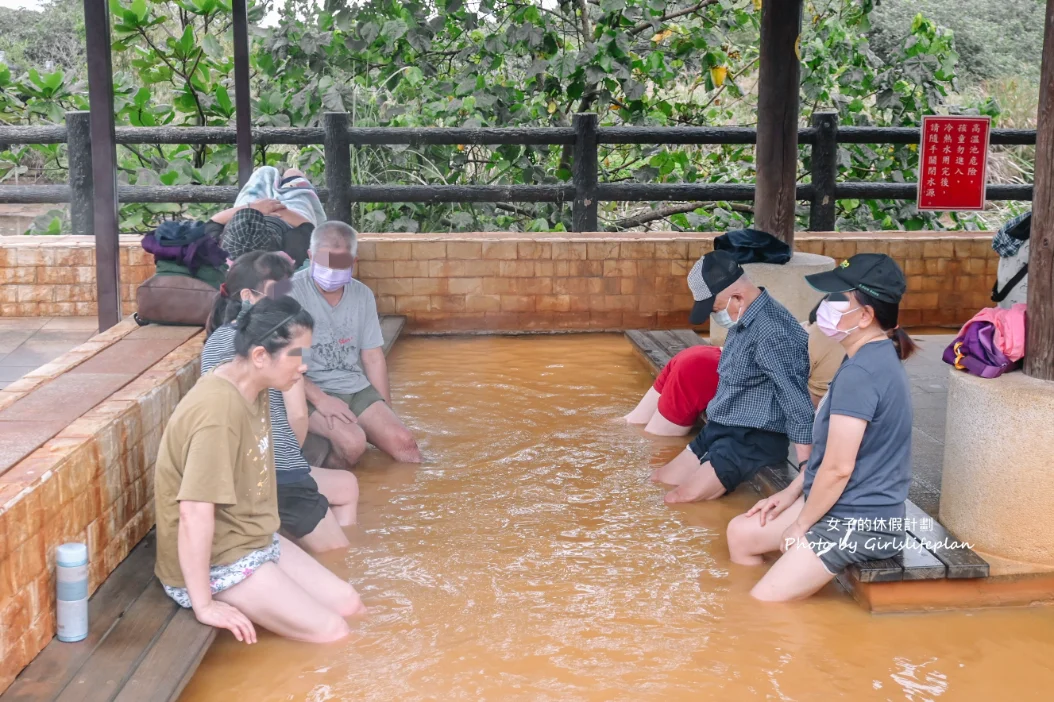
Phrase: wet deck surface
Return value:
(27, 343)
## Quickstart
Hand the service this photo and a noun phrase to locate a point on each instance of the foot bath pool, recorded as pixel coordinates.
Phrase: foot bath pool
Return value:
(530, 559)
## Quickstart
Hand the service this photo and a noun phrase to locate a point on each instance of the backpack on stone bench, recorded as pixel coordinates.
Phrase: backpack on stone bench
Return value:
(178, 300)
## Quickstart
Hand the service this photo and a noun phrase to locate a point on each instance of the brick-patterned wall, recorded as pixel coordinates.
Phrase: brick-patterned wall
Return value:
(92, 483)
(507, 282)
(54, 276)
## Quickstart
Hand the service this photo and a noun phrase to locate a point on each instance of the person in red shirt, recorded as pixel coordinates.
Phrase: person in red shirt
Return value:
(684, 388)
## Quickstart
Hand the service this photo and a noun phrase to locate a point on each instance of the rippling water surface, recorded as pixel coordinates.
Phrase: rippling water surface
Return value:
(530, 559)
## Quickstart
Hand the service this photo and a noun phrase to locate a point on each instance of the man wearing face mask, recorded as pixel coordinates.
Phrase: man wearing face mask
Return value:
(347, 376)
(762, 401)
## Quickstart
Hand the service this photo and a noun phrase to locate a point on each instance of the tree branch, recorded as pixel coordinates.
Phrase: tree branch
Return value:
(644, 26)
(664, 212)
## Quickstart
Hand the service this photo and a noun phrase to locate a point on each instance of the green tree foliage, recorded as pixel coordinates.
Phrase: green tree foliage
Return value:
(504, 63)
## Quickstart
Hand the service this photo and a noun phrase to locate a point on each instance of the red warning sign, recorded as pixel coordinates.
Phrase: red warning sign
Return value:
(953, 163)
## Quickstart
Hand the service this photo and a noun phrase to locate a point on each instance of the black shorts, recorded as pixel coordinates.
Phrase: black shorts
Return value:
(301, 507)
(738, 453)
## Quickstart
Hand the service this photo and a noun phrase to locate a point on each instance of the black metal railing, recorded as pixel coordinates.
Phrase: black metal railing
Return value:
(584, 190)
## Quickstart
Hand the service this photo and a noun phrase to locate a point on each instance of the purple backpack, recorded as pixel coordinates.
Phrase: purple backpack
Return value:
(975, 352)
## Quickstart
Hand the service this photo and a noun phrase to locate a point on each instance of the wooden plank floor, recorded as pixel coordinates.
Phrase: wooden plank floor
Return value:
(933, 562)
(140, 646)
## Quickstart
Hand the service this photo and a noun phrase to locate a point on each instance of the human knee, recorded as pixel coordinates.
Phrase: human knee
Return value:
(351, 442)
(738, 534)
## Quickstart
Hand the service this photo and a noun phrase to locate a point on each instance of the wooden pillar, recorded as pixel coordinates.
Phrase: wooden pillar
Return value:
(777, 148)
(1039, 358)
(584, 169)
(242, 110)
(337, 150)
(824, 171)
(78, 156)
(103, 162)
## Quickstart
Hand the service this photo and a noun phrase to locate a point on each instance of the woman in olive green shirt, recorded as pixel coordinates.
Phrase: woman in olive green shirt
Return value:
(218, 550)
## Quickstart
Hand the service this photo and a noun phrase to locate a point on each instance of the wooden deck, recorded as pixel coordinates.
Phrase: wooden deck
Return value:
(141, 646)
(934, 562)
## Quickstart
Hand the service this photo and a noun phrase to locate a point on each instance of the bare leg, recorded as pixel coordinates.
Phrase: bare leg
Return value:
(748, 539)
(797, 574)
(678, 470)
(348, 441)
(385, 431)
(319, 581)
(341, 488)
(661, 426)
(645, 409)
(326, 536)
(273, 600)
(701, 485)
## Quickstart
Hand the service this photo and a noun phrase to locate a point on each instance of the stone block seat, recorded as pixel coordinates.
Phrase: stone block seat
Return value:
(939, 560)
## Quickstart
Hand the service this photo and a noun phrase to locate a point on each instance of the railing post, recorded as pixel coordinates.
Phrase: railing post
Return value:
(584, 173)
(338, 165)
(78, 155)
(824, 171)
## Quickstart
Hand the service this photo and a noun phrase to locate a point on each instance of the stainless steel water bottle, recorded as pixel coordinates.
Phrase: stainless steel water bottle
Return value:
(71, 579)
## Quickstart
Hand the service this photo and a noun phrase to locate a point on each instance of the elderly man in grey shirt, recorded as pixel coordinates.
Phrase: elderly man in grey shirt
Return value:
(347, 376)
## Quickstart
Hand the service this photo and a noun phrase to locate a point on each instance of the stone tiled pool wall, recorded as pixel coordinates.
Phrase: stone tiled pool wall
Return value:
(538, 282)
(78, 440)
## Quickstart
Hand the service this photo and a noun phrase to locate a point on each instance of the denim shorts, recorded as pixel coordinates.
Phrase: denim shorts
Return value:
(224, 577)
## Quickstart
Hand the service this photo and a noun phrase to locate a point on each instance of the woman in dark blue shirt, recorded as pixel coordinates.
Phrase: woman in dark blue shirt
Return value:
(847, 505)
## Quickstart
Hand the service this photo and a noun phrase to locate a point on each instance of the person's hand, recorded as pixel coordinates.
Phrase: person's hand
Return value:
(223, 616)
(334, 410)
(792, 536)
(771, 507)
(267, 206)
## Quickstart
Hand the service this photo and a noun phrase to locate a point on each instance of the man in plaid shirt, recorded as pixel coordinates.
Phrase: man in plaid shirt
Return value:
(762, 401)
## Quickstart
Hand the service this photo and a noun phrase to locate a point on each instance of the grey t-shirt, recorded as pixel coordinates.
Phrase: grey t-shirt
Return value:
(341, 333)
(873, 386)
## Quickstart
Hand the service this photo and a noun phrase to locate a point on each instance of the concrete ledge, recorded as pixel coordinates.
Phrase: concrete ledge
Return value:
(92, 481)
(997, 488)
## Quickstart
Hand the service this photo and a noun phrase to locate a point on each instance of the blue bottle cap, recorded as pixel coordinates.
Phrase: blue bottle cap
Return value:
(71, 555)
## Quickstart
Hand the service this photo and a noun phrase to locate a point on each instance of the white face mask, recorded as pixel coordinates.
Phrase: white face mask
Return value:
(724, 319)
(830, 314)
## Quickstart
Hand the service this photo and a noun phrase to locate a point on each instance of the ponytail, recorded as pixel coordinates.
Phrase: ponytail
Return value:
(886, 314)
(249, 272)
(904, 344)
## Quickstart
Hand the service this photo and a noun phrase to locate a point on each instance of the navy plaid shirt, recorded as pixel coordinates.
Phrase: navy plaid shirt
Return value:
(1004, 244)
(763, 374)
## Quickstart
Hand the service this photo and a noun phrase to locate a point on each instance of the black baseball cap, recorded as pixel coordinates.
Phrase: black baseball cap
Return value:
(709, 276)
(878, 275)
